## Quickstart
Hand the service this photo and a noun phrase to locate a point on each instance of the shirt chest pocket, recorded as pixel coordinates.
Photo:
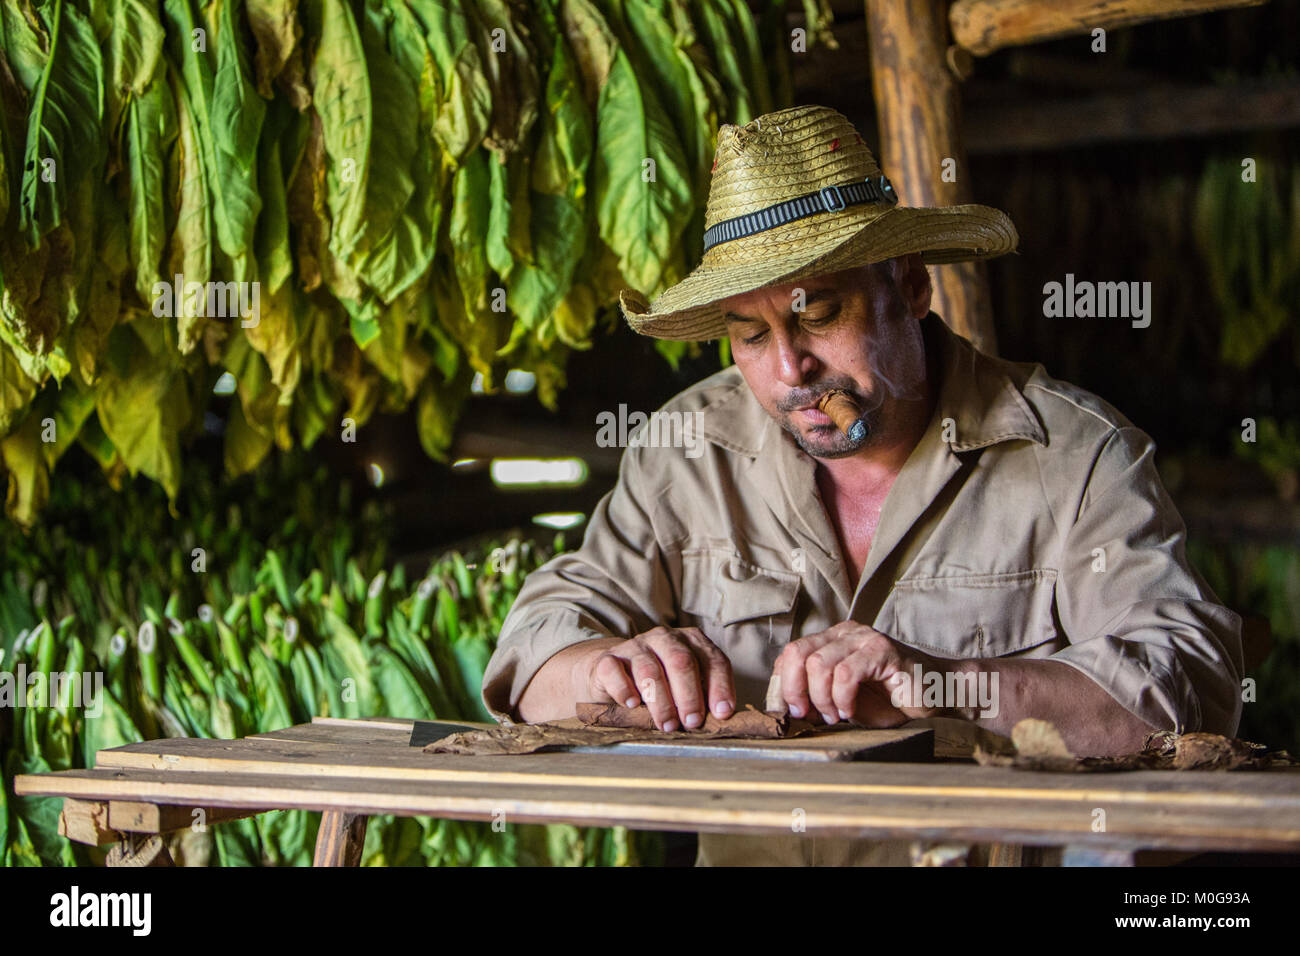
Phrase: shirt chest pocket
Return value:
(740, 606)
(975, 615)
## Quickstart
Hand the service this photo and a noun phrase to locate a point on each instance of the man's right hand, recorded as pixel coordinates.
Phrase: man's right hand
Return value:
(674, 671)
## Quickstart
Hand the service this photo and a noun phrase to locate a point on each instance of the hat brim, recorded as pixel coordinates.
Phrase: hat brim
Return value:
(691, 311)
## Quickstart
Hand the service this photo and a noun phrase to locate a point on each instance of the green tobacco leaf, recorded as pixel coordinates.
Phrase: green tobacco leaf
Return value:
(556, 223)
(507, 237)
(133, 36)
(439, 406)
(151, 129)
(650, 38)
(277, 336)
(29, 477)
(641, 209)
(401, 693)
(64, 135)
(716, 29)
(104, 295)
(243, 446)
(143, 403)
(228, 113)
(744, 34)
(402, 257)
(465, 96)
(190, 253)
(274, 252)
(16, 390)
(269, 695)
(237, 114)
(67, 409)
(369, 115)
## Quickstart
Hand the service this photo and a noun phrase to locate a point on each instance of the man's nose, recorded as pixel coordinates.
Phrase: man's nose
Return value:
(795, 364)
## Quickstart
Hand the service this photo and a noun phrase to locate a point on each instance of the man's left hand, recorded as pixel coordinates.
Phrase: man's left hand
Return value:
(851, 671)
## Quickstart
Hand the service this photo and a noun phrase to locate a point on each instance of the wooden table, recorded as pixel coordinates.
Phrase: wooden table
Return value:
(349, 769)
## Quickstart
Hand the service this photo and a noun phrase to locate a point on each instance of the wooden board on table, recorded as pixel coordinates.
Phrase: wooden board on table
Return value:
(874, 800)
(834, 744)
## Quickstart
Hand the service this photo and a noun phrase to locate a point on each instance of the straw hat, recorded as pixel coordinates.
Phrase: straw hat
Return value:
(795, 194)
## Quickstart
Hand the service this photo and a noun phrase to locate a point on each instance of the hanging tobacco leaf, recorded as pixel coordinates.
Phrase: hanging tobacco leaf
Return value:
(64, 132)
(151, 131)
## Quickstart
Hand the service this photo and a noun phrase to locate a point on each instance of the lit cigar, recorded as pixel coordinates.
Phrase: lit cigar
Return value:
(845, 413)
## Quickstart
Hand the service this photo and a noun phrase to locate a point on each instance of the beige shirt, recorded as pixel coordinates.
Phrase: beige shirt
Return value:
(1029, 521)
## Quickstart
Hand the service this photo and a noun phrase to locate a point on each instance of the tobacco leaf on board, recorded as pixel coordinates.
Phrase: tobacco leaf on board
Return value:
(600, 724)
(1039, 747)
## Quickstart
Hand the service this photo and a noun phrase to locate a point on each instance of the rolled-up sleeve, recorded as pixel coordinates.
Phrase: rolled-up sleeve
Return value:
(1141, 621)
(616, 584)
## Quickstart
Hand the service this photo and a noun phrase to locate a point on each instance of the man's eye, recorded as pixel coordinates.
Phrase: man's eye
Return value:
(755, 339)
(821, 318)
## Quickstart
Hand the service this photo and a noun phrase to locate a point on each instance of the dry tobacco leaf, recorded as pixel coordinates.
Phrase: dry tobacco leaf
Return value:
(1039, 747)
(599, 724)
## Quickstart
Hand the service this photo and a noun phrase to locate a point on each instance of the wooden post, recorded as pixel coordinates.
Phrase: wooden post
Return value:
(983, 26)
(340, 839)
(919, 114)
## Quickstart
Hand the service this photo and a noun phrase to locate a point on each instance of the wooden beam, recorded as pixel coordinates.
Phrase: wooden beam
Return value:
(983, 26)
(135, 817)
(1171, 112)
(139, 849)
(919, 115)
(341, 838)
(86, 821)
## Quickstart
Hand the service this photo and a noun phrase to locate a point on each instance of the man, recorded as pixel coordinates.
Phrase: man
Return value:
(994, 523)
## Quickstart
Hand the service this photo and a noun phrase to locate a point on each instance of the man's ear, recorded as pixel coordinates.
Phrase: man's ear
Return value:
(914, 284)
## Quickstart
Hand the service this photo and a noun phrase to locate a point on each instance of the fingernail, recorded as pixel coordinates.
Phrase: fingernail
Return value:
(828, 718)
(692, 720)
(631, 702)
(796, 710)
(844, 714)
(722, 709)
(670, 726)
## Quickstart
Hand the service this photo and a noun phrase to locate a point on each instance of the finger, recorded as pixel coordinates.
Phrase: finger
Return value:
(874, 708)
(652, 683)
(849, 676)
(791, 666)
(683, 670)
(719, 683)
(820, 668)
(610, 676)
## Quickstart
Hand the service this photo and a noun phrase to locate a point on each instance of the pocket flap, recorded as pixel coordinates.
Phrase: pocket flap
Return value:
(721, 586)
(976, 615)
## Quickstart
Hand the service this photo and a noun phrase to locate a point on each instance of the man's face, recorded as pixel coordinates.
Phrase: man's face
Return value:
(857, 330)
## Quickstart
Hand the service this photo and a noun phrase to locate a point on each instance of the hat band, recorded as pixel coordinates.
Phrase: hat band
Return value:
(827, 199)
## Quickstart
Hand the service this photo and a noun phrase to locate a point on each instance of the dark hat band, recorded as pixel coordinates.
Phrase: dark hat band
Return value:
(828, 199)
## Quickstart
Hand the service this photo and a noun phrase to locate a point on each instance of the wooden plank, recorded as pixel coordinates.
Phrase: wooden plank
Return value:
(1169, 112)
(340, 840)
(340, 736)
(86, 821)
(946, 817)
(983, 26)
(918, 112)
(135, 817)
(1240, 791)
(380, 723)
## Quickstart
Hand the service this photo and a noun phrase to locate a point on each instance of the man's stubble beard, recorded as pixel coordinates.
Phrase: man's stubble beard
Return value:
(836, 443)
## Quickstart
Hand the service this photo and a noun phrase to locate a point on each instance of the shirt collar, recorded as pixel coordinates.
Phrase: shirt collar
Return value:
(975, 391)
